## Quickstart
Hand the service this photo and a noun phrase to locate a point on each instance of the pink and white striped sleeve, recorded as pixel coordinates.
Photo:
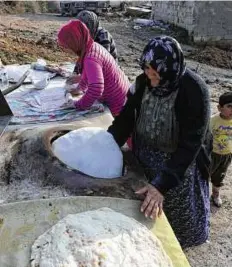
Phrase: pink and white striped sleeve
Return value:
(83, 86)
(95, 81)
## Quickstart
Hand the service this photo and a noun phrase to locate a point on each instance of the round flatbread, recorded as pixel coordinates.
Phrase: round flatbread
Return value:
(91, 150)
(99, 238)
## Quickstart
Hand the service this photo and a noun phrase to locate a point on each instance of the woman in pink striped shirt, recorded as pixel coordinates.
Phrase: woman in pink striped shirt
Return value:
(101, 77)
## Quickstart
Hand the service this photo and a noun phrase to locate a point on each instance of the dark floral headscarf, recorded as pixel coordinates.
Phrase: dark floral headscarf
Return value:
(165, 55)
(91, 21)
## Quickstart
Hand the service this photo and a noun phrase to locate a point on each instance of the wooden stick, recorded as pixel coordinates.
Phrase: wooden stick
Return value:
(13, 87)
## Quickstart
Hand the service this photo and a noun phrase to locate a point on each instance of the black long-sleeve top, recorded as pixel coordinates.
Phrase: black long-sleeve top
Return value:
(192, 109)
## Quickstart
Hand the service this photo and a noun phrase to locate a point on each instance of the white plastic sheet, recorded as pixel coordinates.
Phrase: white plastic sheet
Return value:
(15, 72)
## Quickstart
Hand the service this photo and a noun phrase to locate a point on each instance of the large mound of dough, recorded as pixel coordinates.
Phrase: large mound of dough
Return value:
(99, 238)
(91, 150)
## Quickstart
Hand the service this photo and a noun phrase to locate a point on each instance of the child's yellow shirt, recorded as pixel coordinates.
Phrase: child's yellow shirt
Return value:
(222, 135)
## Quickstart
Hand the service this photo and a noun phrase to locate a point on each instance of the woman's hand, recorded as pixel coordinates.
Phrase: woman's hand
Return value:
(97, 108)
(72, 84)
(153, 202)
(73, 79)
(69, 103)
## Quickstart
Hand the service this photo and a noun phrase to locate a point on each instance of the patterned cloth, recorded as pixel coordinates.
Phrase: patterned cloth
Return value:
(27, 109)
(157, 121)
(165, 55)
(187, 206)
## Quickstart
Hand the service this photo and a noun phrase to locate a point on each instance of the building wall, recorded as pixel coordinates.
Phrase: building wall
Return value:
(204, 20)
(213, 20)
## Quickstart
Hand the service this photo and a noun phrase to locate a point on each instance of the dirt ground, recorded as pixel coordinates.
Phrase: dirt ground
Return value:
(24, 38)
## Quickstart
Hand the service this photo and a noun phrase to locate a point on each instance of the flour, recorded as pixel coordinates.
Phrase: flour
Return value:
(98, 238)
(91, 150)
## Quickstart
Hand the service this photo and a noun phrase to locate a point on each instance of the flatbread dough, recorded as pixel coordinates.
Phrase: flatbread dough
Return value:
(91, 150)
(99, 238)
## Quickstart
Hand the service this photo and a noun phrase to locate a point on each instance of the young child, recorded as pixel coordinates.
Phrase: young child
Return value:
(221, 127)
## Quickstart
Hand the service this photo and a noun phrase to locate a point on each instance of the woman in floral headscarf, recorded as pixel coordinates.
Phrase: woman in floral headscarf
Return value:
(167, 113)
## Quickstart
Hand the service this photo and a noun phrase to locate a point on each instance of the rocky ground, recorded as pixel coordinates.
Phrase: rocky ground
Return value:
(25, 38)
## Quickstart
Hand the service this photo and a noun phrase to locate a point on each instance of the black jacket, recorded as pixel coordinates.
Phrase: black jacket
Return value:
(192, 108)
